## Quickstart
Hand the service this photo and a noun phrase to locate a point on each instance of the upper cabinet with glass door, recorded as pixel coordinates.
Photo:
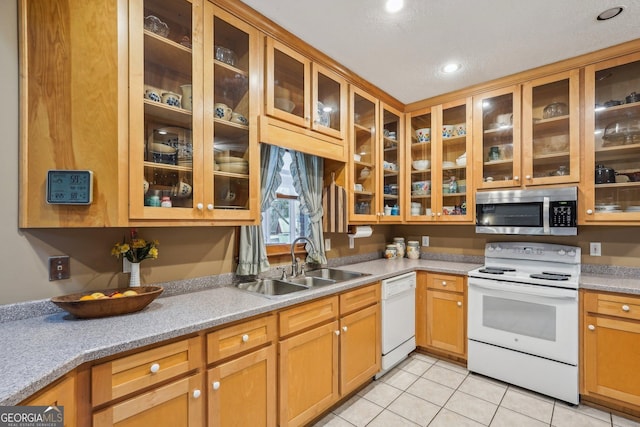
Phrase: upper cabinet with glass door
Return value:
(496, 137)
(393, 165)
(454, 155)
(363, 200)
(308, 96)
(420, 161)
(164, 81)
(231, 101)
(550, 129)
(612, 142)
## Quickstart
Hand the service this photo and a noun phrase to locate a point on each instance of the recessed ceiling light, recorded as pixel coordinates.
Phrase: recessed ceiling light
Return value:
(451, 68)
(394, 6)
(610, 13)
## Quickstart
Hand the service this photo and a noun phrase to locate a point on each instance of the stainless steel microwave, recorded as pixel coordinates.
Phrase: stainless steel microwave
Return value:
(549, 211)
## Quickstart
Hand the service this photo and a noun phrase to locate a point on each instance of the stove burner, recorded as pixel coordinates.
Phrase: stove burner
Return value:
(551, 276)
(496, 270)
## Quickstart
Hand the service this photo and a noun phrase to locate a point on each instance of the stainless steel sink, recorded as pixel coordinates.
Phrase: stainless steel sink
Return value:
(335, 274)
(311, 281)
(271, 288)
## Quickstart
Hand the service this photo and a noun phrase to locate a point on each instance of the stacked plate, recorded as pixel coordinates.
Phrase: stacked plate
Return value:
(185, 161)
(633, 209)
(608, 208)
(233, 164)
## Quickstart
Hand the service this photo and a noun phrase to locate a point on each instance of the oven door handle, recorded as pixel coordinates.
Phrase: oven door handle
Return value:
(539, 291)
(545, 215)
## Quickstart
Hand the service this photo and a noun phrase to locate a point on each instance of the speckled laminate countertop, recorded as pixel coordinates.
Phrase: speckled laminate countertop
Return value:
(38, 350)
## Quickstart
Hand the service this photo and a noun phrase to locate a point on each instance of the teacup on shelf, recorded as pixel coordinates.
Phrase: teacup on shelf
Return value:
(152, 93)
(222, 111)
(172, 99)
(239, 118)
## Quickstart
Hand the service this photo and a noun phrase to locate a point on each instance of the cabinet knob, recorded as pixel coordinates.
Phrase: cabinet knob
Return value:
(459, 303)
(516, 178)
(337, 332)
(528, 177)
(245, 338)
(591, 327)
(444, 283)
(344, 329)
(216, 385)
(307, 118)
(210, 206)
(625, 307)
(439, 213)
(196, 393)
(589, 211)
(200, 206)
(154, 368)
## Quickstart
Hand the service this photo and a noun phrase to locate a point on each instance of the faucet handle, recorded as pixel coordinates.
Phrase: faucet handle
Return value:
(283, 276)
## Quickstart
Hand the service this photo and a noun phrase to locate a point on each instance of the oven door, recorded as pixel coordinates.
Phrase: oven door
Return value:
(537, 320)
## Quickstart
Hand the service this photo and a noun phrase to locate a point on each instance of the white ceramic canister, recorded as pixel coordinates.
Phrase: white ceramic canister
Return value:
(413, 249)
(391, 251)
(399, 242)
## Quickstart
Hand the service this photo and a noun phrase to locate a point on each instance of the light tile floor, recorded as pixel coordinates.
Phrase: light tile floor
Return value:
(425, 391)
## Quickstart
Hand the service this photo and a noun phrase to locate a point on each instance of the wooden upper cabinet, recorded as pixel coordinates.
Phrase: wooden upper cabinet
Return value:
(551, 129)
(305, 98)
(73, 104)
(612, 139)
(391, 173)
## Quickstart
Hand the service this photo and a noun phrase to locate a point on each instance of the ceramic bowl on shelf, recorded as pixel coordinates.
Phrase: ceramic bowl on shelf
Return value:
(447, 164)
(421, 165)
(461, 161)
(423, 134)
(284, 104)
(156, 26)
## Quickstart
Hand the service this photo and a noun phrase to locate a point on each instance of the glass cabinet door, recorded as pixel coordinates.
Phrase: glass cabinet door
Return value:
(329, 103)
(162, 131)
(363, 199)
(420, 162)
(612, 132)
(230, 151)
(392, 170)
(497, 138)
(550, 129)
(455, 157)
(288, 84)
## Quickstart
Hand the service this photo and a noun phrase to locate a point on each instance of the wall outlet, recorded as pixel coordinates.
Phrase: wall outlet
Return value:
(595, 249)
(425, 241)
(59, 268)
(327, 244)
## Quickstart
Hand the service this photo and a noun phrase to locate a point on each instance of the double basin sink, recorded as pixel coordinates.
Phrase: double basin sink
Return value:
(273, 288)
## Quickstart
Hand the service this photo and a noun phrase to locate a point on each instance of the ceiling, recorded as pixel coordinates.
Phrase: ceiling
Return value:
(403, 53)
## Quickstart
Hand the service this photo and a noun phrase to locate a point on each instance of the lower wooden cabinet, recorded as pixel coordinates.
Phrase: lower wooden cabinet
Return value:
(441, 321)
(61, 393)
(180, 403)
(242, 391)
(360, 348)
(611, 348)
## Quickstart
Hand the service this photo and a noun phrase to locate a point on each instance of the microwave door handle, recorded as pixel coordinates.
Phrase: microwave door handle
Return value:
(545, 215)
(534, 291)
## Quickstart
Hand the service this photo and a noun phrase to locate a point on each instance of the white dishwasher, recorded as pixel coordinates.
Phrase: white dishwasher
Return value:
(398, 320)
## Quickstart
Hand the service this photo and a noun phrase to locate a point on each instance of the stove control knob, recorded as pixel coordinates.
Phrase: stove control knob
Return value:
(498, 249)
(562, 252)
(490, 248)
(571, 253)
(528, 251)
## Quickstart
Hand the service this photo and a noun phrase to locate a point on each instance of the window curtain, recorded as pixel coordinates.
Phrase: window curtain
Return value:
(252, 258)
(307, 171)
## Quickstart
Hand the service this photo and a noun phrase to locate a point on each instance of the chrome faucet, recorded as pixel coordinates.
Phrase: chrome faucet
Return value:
(295, 262)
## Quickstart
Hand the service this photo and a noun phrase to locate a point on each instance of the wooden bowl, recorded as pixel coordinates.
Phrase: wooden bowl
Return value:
(107, 306)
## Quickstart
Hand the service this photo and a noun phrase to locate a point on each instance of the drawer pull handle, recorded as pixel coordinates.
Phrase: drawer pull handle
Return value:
(459, 304)
(625, 307)
(591, 327)
(337, 332)
(155, 368)
(344, 329)
(210, 206)
(216, 385)
(444, 283)
(196, 393)
(200, 206)
(245, 338)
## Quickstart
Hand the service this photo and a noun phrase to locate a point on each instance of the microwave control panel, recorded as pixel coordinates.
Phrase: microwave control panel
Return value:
(563, 214)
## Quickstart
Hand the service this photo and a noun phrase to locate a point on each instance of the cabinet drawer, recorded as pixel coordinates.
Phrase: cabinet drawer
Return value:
(624, 306)
(240, 338)
(307, 315)
(445, 282)
(126, 375)
(359, 298)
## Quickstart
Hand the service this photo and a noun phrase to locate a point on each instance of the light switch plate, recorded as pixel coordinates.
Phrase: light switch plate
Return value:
(425, 241)
(595, 249)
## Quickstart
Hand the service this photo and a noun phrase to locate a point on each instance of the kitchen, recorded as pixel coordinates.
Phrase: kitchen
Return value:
(188, 253)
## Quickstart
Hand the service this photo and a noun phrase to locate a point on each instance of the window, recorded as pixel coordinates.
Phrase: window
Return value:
(282, 222)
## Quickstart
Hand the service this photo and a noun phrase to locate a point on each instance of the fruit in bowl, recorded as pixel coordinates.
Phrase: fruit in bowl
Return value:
(421, 165)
